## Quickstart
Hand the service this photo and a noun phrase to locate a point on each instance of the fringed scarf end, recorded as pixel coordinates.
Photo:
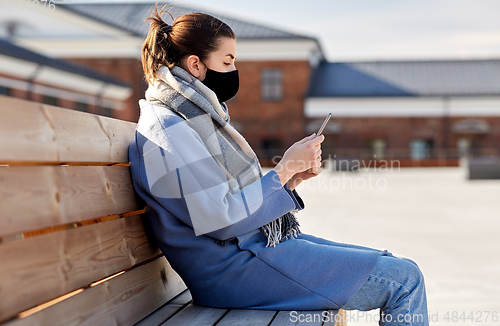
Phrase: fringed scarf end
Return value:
(279, 230)
(283, 228)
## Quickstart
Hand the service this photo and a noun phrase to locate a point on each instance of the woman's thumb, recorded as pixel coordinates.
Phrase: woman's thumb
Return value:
(307, 138)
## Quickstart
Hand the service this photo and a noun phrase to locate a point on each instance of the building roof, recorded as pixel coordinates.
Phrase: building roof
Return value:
(130, 17)
(17, 52)
(406, 78)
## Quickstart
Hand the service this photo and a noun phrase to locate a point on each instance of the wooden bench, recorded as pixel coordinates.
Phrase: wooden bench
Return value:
(73, 246)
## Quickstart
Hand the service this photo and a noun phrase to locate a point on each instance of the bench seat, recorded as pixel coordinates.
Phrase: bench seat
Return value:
(74, 249)
(181, 311)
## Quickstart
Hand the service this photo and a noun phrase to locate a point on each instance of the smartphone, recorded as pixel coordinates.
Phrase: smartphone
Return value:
(323, 125)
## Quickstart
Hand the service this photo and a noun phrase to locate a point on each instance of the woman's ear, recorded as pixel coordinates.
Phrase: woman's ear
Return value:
(195, 66)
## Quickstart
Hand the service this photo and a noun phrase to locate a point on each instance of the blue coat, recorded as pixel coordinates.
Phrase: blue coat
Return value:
(303, 273)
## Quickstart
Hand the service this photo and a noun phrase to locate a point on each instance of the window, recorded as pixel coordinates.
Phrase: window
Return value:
(271, 147)
(469, 146)
(104, 111)
(50, 100)
(376, 147)
(4, 90)
(420, 149)
(83, 107)
(463, 145)
(272, 84)
(108, 112)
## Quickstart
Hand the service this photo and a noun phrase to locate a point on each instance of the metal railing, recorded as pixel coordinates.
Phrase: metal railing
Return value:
(433, 156)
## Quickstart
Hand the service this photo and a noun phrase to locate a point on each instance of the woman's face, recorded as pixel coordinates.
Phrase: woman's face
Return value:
(223, 59)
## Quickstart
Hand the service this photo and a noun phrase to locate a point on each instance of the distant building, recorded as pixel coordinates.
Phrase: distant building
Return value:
(418, 110)
(422, 112)
(274, 65)
(29, 75)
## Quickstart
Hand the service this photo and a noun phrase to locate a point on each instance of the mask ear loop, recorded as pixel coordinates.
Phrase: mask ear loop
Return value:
(203, 63)
(206, 67)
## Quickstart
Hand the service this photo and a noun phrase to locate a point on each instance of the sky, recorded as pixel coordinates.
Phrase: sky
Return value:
(357, 30)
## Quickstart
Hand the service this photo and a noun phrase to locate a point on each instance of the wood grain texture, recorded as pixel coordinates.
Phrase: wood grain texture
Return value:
(123, 300)
(166, 311)
(197, 315)
(42, 268)
(32, 131)
(247, 317)
(36, 193)
(38, 197)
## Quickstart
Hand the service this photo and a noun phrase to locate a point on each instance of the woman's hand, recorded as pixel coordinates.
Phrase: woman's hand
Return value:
(297, 179)
(300, 157)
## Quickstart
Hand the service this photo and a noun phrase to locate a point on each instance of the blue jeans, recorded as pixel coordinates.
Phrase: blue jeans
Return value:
(396, 286)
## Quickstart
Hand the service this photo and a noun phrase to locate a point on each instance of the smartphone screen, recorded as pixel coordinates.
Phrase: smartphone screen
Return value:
(323, 125)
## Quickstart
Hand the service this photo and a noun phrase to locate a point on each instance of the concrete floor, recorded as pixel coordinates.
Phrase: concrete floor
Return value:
(449, 225)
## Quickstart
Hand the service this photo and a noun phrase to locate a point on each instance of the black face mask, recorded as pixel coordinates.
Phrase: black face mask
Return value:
(225, 85)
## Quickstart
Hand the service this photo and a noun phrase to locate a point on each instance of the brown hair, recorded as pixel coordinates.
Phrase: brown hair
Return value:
(191, 34)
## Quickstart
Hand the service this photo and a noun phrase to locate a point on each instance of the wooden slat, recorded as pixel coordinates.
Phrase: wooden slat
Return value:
(123, 300)
(43, 196)
(25, 132)
(196, 315)
(42, 268)
(166, 311)
(32, 131)
(247, 317)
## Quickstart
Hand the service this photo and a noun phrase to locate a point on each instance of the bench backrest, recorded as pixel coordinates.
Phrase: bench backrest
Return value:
(73, 247)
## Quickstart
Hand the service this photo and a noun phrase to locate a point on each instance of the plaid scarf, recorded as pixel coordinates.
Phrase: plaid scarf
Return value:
(179, 91)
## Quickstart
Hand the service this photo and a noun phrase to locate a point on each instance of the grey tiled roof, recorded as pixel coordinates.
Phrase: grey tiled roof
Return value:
(130, 17)
(11, 50)
(406, 78)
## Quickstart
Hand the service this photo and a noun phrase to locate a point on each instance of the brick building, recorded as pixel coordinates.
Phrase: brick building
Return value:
(419, 112)
(32, 76)
(427, 113)
(274, 65)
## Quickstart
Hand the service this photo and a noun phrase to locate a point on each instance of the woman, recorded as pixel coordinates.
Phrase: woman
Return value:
(227, 229)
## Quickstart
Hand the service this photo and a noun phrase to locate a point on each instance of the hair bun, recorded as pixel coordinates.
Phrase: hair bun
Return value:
(166, 28)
